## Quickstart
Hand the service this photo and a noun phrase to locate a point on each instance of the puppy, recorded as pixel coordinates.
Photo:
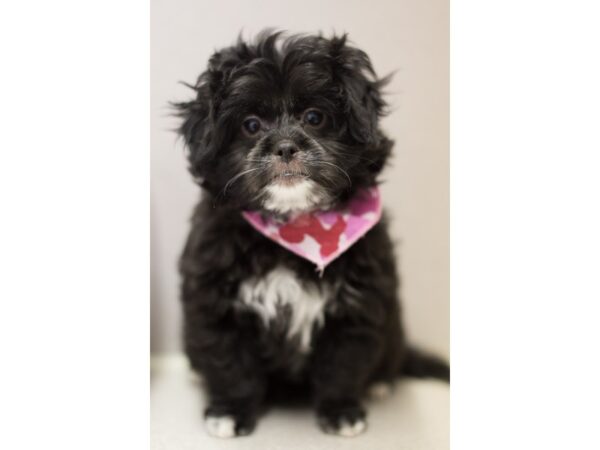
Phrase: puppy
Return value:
(278, 294)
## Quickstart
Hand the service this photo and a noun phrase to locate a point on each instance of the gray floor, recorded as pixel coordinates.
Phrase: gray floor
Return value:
(414, 417)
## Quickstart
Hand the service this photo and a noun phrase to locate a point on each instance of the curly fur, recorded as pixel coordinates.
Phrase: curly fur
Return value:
(242, 354)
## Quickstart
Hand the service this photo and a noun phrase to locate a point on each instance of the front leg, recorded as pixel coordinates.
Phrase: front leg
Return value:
(232, 373)
(344, 358)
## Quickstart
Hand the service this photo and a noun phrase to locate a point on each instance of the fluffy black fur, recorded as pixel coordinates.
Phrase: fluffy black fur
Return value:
(275, 80)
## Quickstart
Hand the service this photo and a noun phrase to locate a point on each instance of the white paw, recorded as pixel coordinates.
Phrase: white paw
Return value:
(221, 427)
(347, 429)
(380, 390)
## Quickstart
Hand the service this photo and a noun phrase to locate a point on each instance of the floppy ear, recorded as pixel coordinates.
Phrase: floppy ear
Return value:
(198, 129)
(361, 90)
(195, 129)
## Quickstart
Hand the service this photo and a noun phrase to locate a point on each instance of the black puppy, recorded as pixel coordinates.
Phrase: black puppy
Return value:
(284, 126)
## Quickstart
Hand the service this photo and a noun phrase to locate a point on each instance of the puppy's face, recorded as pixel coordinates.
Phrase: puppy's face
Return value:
(286, 125)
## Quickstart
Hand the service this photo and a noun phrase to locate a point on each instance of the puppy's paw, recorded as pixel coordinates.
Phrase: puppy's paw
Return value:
(350, 429)
(220, 426)
(346, 420)
(225, 426)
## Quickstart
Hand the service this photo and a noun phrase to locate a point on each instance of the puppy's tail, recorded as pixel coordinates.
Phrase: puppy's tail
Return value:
(422, 365)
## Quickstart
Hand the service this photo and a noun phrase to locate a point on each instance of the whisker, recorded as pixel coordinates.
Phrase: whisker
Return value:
(237, 177)
(369, 160)
(337, 167)
(341, 152)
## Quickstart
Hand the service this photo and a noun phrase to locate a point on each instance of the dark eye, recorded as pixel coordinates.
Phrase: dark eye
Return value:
(251, 125)
(313, 117)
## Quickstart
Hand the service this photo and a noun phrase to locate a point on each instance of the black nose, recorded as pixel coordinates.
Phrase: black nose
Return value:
(285, 150)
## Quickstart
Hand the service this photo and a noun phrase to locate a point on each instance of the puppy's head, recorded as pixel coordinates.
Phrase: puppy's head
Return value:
(286, 124)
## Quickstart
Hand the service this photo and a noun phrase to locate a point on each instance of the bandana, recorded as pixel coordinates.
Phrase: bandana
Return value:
(322, 236)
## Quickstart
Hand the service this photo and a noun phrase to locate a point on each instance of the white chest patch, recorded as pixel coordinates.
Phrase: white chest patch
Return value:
(281, 293)
(284, 199)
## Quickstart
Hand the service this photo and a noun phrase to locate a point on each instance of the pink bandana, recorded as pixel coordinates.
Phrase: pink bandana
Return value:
(322, 236)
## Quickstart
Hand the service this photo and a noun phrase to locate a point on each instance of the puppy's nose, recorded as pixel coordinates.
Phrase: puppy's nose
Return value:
(285, 150)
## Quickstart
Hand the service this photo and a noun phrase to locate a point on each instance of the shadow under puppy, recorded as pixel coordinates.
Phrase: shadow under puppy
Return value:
(283, 138)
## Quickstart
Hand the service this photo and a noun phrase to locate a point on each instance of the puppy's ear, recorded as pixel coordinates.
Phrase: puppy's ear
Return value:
(198, 130)
(197, 124)
(361, 89)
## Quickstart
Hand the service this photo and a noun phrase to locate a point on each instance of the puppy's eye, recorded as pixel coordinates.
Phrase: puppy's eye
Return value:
(313, 117)
(251, 125)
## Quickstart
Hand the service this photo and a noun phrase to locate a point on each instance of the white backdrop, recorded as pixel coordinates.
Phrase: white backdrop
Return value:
(406, 36)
